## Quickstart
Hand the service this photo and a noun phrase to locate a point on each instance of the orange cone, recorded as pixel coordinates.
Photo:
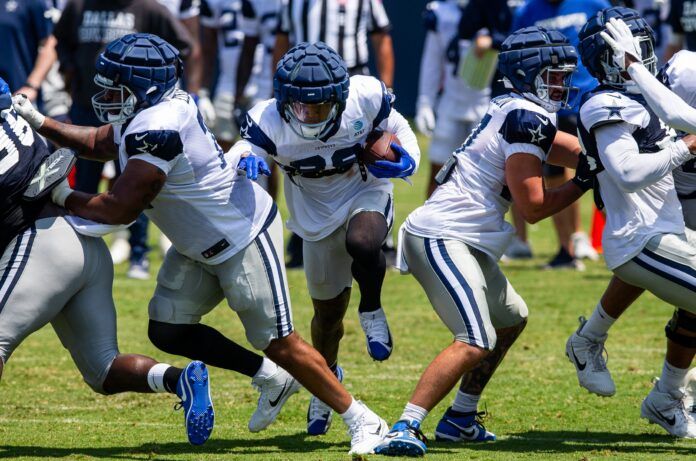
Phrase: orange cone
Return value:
(598, 221)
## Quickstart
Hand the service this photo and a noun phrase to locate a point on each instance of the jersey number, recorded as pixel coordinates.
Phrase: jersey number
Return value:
(9, 153)
(474, 134)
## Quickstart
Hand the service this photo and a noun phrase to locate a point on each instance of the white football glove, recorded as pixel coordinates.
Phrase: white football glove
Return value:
(622, 41)
(23, 106)
(205, 106)
(60, 193)
(425, 117)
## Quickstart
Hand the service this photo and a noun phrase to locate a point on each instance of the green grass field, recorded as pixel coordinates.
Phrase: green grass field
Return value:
(536, 407)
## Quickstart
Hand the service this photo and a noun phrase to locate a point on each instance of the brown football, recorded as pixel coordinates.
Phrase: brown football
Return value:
(378, 147)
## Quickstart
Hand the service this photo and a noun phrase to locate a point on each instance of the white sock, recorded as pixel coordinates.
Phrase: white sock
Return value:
(354, 411)
(413, 413)
(598, 324)
(672, 377)
(267, 369)
(465, 403)
(155, 377)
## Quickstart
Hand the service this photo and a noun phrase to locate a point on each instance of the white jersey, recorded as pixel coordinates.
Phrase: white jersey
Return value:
(205, 208)
(319, 205)
(470, 205)
(182, 9)
(678, 76)
(260, 19)
(632, 218)
(438, 67)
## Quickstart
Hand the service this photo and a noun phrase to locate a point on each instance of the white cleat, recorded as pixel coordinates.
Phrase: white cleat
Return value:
(377, 334)
(591, 367)
(667, 410)
(582, 248)
(275, 391)
(366, 432)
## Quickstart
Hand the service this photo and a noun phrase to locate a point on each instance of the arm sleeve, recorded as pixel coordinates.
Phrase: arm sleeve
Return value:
(397, 124)
(629, 169)
(431, 69)
(669, 107)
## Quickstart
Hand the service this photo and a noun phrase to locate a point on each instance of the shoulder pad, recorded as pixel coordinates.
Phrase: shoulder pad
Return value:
(522, 126)
(253, 133)
(248, 9)
(612, 107)
(164, 144)
(430, 17)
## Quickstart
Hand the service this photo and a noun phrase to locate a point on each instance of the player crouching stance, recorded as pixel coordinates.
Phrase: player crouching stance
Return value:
(314, 130)
(225, 229)
(57, 269)
(453, 242)
(645, 240)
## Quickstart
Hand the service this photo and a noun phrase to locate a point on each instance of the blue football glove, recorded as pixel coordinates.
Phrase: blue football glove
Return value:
(401, 169)
(252, 165)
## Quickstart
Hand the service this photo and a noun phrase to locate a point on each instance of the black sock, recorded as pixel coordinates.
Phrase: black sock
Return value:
(171, 378)
(201, 342)
(366, 232)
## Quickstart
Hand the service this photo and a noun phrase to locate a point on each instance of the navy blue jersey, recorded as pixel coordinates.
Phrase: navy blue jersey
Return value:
(21, 154)
(23, 25)
(682, 18)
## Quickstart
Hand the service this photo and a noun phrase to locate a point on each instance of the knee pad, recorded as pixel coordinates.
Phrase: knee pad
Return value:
(682, 320)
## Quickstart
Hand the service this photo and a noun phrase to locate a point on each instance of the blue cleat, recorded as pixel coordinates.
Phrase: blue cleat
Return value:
(404, 439)
(455, 426)
(193, 389)
(319, 414)
(379, 339)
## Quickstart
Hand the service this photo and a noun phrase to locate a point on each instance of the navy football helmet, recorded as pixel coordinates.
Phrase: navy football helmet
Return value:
(539, 64)
(310, 86)
(136, 72)
(597, 55)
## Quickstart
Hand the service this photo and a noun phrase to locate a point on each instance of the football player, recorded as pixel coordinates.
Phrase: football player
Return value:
(225, 229)
(452, 244)
(55, 268)
(222, 42)
(460, 106)
(645, 243)
(314, 129)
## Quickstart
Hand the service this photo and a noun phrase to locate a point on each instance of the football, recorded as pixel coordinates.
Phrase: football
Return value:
(378, 147)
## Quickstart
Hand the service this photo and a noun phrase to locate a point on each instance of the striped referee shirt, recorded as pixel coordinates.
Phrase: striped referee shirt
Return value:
(344, 25)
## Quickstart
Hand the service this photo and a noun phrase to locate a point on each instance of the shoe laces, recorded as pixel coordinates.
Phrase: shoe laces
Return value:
(359, 429)
(317, 409)
(179, 405)
(416, 432)
(376, 328)
(599, 355)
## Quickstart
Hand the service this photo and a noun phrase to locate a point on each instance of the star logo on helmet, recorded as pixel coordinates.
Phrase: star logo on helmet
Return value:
(614, 110)
(537, 136)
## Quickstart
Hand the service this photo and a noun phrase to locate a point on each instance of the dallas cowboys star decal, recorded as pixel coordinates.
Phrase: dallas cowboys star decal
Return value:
(614, 110)
(537, 136)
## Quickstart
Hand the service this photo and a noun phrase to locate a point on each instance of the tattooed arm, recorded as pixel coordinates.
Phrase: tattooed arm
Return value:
(89, 142)
(133, 191)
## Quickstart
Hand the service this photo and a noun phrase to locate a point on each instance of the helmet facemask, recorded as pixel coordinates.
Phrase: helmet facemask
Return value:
(552, 87)
(115, 104)
(615, 77)
(310, 121)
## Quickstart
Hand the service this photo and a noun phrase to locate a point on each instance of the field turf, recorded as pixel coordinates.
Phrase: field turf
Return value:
(534, 403)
